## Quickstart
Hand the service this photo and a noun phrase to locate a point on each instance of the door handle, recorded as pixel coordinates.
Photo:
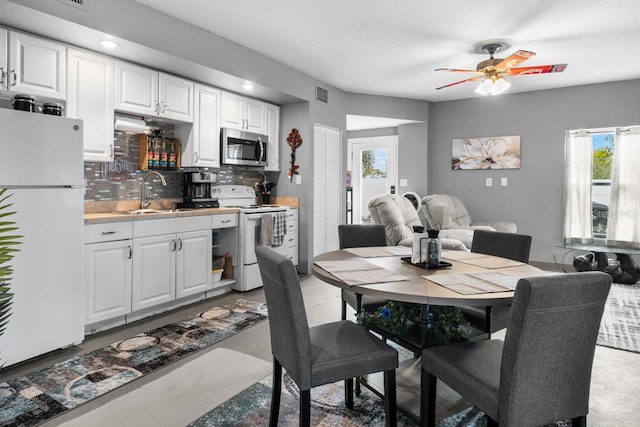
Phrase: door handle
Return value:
(173, 245)
(130, 252)
(179, 244)
(15, 78)
(3, 73)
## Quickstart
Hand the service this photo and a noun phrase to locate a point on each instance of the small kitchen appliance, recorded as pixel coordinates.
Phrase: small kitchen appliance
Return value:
(197, 190)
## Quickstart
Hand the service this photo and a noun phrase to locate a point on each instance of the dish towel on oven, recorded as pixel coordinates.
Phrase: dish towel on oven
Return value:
(266, 229)
(279, 228)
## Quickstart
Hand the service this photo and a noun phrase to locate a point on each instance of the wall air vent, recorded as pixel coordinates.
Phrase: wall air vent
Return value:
(322, 95)
(80, 4)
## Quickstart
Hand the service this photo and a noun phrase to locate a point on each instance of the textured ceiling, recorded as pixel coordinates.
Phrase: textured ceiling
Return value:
(391, 48)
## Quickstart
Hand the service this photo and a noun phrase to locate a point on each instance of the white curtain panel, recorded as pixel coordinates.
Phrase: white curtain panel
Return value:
(623, 225)
(577, 187)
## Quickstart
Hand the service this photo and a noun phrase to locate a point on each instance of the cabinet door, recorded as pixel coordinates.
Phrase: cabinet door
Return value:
(37, 66)
(205, 139)
(136, 89)
(232, 115)
(4, 66)
(254, 115)
(107, 280)
(154, 271)
(176, 98)
(90, 98)
(272, 122)
(193, 266)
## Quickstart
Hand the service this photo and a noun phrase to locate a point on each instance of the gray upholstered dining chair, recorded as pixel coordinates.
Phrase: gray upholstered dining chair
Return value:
(541, 372)
(358, 236)
(321, 354)
(506, 245)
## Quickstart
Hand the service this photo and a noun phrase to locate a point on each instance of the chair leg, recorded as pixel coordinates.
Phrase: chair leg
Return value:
(275, 393)
(344, 310)
(491, 422)
(305, 408)
(348, 393)
(580, 421)
(428, 383)
(487, 320)
(391, 412)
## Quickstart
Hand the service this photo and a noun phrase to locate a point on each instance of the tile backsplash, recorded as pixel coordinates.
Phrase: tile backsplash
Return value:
(120, 180)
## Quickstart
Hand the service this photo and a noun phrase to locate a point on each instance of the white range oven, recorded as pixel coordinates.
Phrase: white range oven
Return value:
(246, 271)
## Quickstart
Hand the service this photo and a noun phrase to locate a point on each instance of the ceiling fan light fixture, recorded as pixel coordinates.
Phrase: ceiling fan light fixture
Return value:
(500, 86)
(485, 87)
(493, 86)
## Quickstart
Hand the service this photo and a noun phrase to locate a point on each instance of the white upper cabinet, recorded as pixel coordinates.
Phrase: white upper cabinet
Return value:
(90, 98)
(32, 65)
(203, 144)
(141, 90)
(242, 113)
(272, 120)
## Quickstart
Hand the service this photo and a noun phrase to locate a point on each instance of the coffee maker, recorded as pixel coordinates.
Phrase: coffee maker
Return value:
(197, 190)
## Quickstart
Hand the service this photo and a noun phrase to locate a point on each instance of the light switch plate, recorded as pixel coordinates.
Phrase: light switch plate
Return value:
(298, 179)
(489, 182)
(503, 181)
(403, 183)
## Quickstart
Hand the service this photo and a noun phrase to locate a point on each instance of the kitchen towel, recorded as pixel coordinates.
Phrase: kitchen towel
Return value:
(266, 229)
(279, 228)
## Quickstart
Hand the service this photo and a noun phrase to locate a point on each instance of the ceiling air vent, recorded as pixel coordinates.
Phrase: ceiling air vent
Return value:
(80, 4)
(322, 95)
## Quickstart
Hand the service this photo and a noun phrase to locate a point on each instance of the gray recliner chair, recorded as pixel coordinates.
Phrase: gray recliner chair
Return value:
(399, 216)
(444, 212)
(541, 372)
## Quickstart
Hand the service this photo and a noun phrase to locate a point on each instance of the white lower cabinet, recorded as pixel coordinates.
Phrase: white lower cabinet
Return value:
(154, 271)
(107, 280)
(107, 274)
(169, 267)
(134, 269)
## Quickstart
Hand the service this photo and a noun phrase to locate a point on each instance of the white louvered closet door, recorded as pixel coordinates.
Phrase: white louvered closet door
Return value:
(326, 189)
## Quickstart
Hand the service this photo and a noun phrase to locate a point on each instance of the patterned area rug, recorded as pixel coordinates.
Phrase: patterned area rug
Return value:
(250, 408)
(41, 395)
(620, 326)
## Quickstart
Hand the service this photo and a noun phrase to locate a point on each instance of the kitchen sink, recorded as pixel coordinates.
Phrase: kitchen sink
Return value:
(151, 211)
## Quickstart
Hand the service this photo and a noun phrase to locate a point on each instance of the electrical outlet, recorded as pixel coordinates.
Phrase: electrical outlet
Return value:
(403, 183)
(489, 182)
(503, 181)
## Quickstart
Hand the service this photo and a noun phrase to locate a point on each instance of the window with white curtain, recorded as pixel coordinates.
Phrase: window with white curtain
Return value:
(602, 187)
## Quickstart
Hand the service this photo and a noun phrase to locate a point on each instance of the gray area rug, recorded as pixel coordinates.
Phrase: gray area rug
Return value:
(251, 408)
(620, 326)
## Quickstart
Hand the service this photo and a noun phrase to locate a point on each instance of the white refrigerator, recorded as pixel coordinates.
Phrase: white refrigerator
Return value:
(42, 172)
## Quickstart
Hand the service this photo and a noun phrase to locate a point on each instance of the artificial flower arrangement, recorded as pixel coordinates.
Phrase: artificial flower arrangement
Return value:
(446, 325)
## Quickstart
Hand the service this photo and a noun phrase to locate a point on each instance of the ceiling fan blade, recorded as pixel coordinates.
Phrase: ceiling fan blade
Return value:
(515, 59)
(458, 70)
(539, 69)
(461, 81)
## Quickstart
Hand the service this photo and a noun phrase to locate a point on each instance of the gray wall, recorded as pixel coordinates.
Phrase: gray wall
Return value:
(533, 199)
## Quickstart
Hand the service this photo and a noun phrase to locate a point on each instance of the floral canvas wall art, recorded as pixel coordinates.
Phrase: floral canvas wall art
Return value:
(496, 152)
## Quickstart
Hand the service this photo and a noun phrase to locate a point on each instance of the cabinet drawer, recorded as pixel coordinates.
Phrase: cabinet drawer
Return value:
(108, 232)
(224, 221)
(157, 227)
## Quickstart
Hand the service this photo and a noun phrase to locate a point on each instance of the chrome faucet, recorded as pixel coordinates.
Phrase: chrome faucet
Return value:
(144, 203)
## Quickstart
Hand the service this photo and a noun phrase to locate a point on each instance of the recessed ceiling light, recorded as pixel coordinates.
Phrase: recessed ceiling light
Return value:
(247, 86)
(109, 44)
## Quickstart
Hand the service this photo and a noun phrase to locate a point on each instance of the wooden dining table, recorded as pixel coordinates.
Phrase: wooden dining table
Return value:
(417, 288)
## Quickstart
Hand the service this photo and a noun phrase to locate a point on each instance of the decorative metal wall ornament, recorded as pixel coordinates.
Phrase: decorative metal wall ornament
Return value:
(294, 140)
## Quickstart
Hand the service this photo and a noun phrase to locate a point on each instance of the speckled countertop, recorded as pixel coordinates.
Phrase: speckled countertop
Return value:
(106, 212)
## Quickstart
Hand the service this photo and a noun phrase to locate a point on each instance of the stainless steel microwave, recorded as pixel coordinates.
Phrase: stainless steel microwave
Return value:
(243, 148)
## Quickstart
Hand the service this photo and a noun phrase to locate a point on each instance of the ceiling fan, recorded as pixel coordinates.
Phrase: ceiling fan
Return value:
(493, 69)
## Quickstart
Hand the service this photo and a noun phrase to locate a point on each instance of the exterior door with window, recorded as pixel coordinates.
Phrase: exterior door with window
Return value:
(374, 165)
